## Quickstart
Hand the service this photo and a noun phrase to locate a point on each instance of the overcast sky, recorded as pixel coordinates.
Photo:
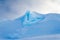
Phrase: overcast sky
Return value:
(12, 9)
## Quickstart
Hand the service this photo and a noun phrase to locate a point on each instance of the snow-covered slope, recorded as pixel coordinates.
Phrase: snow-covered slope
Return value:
(31, 25)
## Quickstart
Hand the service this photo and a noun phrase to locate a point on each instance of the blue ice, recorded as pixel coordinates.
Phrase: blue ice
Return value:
(32, 24)
(32, 17)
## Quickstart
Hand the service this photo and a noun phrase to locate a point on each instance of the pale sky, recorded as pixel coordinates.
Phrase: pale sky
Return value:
(46, 6)
(12, 9)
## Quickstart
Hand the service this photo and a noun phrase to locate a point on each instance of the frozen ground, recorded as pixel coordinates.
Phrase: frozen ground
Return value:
(32, 26)
(46, 37)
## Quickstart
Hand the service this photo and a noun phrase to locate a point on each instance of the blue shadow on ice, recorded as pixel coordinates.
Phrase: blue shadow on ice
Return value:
(30, 25)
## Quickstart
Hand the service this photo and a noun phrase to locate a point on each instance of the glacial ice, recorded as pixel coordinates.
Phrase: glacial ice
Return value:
(32, 17)
(32, 24)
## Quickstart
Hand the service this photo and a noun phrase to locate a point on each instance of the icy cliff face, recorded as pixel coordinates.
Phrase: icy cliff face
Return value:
(32, 17)
(41, 25)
